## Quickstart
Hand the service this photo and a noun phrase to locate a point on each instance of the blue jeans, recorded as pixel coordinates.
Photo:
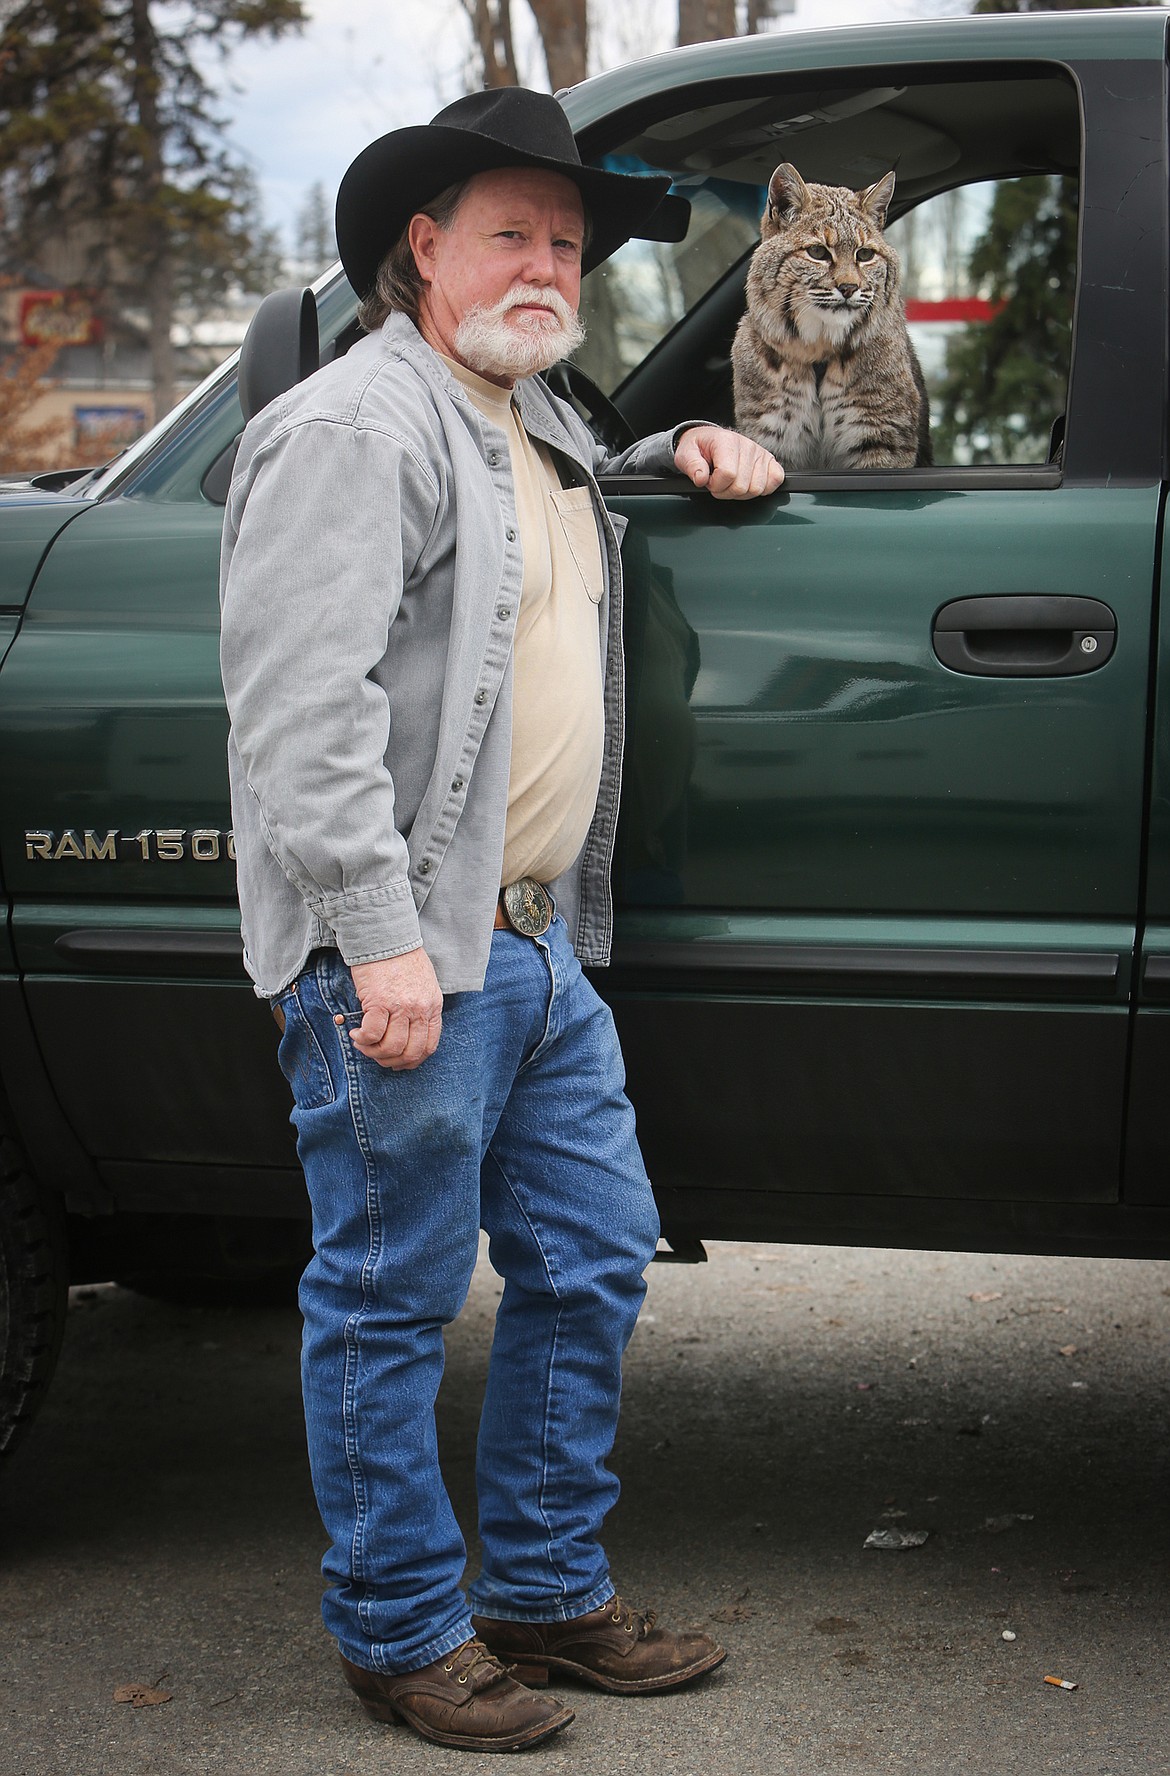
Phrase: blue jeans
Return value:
(518, 1123)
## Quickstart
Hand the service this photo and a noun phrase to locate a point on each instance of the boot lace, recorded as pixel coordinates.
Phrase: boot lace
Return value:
(472, 1664)
(635, 1622)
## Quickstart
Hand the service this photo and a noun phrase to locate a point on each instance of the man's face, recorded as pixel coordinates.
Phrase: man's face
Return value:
(502, 284)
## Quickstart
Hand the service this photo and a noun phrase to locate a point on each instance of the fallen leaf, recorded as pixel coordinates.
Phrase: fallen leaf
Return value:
(986, 1295)
(851, 1657)
(893, 1540)
(735, 1612)
(141, 1695)
(835, 1625)
(1068, 1350)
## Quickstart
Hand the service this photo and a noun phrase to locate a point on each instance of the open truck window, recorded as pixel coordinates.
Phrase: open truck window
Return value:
(984, 219)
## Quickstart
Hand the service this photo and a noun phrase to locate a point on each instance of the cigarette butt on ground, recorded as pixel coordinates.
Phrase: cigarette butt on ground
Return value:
(1061, 1683)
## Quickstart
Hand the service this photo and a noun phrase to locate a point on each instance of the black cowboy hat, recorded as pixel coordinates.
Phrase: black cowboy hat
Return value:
(510, 126)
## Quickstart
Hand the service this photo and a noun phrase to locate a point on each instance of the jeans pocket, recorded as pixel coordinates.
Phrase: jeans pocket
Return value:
(301, 1058)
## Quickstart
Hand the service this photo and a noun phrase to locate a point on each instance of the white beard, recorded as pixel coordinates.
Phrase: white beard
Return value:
(491, 344)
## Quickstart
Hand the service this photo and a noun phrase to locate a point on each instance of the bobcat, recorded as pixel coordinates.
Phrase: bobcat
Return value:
(825, 374)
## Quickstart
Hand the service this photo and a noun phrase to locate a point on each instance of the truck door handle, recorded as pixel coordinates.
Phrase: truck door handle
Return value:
(1032, 635)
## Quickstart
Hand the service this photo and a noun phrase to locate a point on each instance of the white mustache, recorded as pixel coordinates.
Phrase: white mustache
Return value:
(528, 296)
(486, 342)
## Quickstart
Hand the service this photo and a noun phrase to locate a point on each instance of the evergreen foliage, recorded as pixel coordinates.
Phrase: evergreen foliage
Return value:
(114, 170)
(1006, 378)
(315, 243)
(1056, 5)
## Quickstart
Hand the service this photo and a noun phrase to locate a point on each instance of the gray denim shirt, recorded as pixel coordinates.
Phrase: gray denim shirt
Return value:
(370, 585)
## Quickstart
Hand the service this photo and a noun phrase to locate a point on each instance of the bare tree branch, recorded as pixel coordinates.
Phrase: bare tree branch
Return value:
(564, 37)
(491, 23)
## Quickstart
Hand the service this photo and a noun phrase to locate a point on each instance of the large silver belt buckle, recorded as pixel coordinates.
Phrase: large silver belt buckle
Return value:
(528, 906)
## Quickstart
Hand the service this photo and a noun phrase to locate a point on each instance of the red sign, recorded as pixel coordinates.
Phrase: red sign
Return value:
(954, 308)
(58, 317)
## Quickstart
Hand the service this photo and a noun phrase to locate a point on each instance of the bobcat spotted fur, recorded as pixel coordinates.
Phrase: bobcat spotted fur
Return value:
(825, 374)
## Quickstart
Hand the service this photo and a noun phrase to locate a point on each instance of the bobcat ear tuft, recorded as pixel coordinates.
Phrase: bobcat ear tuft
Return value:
(787, 193)
(876, 199)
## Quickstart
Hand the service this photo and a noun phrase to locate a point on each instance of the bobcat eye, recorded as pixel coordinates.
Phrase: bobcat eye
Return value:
(815, 252)
(863, 253)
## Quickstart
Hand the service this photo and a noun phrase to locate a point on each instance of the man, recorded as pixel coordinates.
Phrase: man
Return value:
(421, 652)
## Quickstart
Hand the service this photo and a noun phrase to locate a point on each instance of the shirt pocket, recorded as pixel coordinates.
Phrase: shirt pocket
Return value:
(574, 509)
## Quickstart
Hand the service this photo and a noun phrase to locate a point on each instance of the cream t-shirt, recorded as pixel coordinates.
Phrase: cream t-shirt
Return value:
(557, 708)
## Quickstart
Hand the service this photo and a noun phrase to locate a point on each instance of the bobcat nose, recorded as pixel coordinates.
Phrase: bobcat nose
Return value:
(848, 290)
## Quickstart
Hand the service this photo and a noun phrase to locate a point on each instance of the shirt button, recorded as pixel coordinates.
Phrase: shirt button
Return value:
(503, 613)
(457, 784)
(424, 866)
(481, 696)
(493, 457)
(510, 534)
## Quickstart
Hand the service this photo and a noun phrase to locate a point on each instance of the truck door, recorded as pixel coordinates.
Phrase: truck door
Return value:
(880, 860)
(1147, 1154)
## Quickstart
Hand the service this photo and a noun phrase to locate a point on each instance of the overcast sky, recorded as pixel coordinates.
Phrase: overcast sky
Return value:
(300, 110)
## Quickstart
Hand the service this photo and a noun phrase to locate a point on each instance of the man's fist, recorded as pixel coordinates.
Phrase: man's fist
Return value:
(402, 1010)
(727, 464)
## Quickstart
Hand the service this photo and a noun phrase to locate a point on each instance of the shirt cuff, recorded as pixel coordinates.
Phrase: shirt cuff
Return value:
(688, 425)
(374, 925)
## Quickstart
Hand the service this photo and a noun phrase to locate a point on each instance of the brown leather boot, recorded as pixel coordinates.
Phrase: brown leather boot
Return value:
(466, 1699)
(615, 1648)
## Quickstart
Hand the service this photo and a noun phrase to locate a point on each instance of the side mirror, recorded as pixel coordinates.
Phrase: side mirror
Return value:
(281, 347)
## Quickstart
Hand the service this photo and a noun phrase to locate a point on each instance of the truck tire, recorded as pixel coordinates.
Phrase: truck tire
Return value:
(34, 1282)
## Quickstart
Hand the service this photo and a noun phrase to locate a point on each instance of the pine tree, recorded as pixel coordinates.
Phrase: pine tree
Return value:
(114, 171)
(1056, 5)
(314, 244)
(1006, 378)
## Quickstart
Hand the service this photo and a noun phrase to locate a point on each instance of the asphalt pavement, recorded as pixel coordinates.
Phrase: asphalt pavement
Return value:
(158, 1530)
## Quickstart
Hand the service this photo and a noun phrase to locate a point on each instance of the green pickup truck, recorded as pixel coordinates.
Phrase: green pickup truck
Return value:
(892, 960)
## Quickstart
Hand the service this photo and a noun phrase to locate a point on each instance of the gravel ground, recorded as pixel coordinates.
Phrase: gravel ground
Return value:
(781, 1402)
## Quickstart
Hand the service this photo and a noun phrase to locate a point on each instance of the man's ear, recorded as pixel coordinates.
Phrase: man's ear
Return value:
(422, 234)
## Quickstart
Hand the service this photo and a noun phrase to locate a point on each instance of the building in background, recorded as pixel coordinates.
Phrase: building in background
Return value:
(93, 394)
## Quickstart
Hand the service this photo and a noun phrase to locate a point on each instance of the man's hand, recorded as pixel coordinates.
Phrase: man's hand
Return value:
(727, 464)
(402, 1010)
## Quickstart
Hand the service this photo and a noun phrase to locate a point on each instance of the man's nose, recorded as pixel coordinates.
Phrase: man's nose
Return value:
(540, 266)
